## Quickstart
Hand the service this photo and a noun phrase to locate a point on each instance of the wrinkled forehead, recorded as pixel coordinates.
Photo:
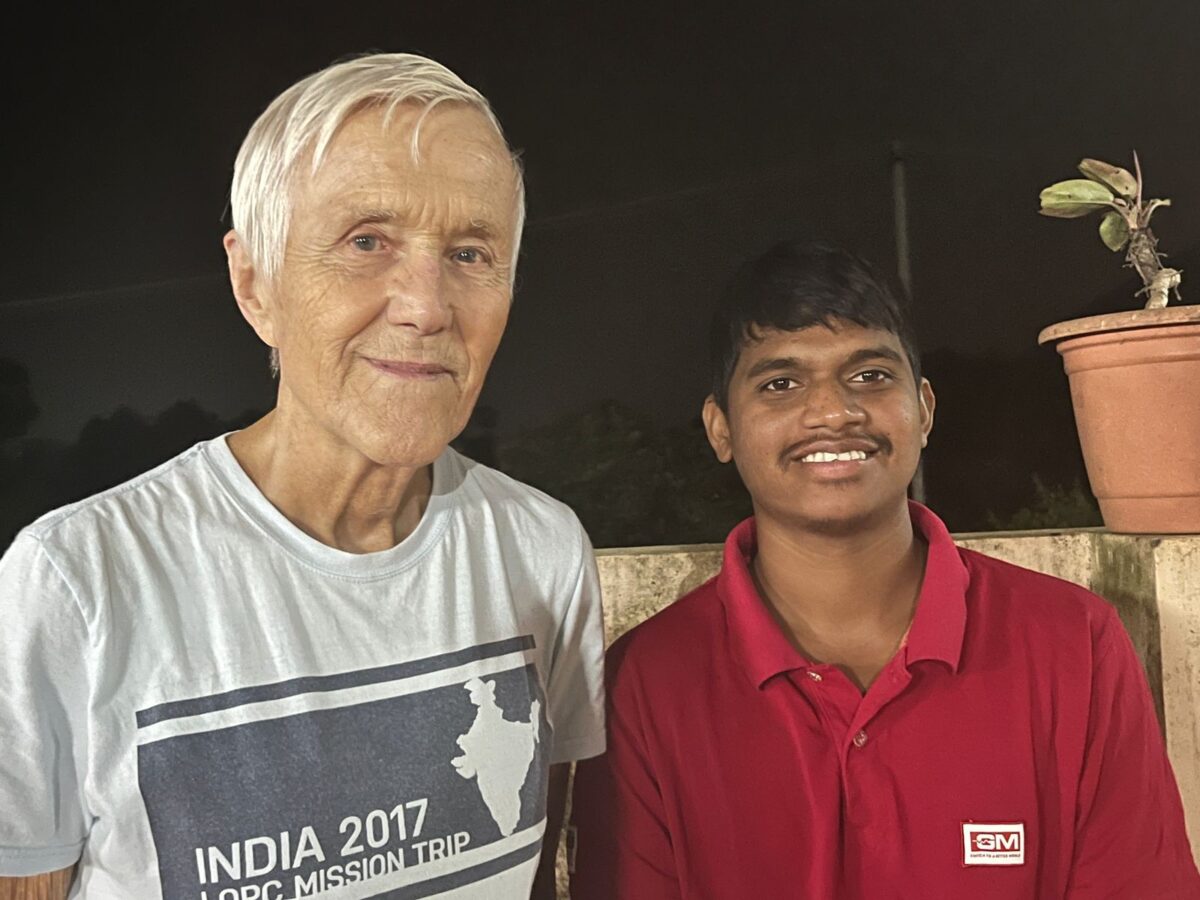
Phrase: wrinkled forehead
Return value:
(413, 155)
(449, 136)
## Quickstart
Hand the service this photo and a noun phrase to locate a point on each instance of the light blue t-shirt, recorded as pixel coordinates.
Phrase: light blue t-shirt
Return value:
(199, 700)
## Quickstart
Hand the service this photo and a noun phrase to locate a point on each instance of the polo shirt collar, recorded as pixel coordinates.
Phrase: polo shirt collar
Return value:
(758, 642)
(761, 647)
(940, 621)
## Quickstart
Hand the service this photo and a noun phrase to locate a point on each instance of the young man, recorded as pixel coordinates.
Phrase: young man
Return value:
(325, 656)
(855, 708)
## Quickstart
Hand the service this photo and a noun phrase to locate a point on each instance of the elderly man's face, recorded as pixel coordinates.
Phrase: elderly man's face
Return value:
(396, 282)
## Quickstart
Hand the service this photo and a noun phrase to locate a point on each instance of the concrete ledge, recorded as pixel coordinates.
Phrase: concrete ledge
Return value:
(1153, 581)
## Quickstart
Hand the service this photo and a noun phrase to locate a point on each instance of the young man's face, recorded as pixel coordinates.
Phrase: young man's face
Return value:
(825, 425)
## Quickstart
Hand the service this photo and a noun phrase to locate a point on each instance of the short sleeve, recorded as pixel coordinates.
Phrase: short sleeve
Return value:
(1130, 838)
(43, 648)
(575, 693)
(624, 842)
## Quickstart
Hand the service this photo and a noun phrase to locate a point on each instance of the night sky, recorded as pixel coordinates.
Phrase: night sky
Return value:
(662, 143)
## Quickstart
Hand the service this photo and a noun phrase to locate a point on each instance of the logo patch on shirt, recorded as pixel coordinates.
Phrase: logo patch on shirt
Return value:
(993, 843)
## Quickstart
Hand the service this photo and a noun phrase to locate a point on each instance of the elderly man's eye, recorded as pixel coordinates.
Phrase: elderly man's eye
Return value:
(469, 256)
(365, 242)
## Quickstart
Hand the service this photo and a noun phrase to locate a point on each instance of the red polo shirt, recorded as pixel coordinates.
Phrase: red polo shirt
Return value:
(1009, 750)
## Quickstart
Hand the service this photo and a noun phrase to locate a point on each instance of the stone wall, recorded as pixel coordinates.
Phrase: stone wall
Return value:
(1154, 583)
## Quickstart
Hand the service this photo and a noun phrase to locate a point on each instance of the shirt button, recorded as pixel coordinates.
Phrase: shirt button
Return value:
(814, 676)
(860, 739)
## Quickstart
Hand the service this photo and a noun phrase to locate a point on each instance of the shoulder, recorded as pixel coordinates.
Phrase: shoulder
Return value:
(161, 486)
(79, 552)
(521, 504)
(69, 551)
(1030, 601)
(675, 646)
(536, 541)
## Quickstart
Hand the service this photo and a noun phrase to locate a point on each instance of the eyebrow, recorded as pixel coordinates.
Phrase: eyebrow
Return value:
(376, 215)
(480, 228)
(792, 363)
(773, 364)
(879, 352)
(371, 215)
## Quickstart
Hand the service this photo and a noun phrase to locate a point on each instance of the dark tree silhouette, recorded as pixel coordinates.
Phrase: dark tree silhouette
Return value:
(630, 483)
(17, 409)
(38, 476)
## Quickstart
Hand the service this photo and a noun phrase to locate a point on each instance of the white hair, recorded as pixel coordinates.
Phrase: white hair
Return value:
(304, 119)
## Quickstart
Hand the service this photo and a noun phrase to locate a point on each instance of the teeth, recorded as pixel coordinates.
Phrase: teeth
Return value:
(822, 456)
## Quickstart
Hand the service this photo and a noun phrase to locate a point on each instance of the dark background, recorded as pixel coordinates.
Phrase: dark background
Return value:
(663, 143)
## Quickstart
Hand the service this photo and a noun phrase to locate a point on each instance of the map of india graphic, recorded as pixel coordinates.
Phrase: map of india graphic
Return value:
(496, 753)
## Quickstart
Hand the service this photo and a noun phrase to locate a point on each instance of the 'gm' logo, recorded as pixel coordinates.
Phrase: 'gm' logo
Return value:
(993, 843)
(996, 840)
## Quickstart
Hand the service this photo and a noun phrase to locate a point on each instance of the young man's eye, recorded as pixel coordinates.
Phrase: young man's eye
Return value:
(779, 384)
(872, 376)
(368, 243)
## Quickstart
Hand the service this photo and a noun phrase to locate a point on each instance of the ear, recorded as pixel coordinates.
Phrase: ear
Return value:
(247, 289)
(716, 425)
(927, 403)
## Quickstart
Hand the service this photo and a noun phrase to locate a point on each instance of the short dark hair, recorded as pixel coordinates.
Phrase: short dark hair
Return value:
(796, 285)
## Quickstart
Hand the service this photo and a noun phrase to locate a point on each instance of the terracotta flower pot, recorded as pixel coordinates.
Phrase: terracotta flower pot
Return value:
(1135, 386)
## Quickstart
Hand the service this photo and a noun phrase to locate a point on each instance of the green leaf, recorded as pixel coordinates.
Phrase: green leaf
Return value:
(1114, 177)
(1067, 212)
(1074, 198)
(1113, 231)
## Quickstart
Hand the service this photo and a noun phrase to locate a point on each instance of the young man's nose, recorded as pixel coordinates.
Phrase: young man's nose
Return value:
(831, 404)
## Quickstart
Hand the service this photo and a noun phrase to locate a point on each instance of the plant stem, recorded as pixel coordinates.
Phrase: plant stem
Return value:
(1143, 256)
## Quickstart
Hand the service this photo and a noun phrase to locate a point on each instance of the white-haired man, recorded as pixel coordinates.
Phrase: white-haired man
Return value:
(242, 674)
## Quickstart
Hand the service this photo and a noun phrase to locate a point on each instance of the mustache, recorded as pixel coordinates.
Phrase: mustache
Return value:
(872, 443)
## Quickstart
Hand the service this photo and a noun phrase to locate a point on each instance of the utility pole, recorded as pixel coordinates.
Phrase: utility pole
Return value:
(904, 269)
(900, 215)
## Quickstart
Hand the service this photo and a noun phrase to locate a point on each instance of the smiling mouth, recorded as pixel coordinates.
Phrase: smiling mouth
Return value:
(411, 370)
(821, 456)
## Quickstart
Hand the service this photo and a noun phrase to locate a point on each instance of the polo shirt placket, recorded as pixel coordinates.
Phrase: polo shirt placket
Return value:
(847, 716)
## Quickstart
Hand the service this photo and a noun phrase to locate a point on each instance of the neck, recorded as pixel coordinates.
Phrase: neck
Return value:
(845, 599)
(328, 489)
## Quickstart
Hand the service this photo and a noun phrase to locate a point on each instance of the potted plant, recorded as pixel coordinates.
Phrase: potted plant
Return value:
(1134, 376)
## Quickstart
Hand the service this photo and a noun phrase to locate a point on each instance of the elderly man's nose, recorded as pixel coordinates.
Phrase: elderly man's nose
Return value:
(417, 294)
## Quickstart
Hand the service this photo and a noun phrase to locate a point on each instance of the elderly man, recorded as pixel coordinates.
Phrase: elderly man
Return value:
(253, 672)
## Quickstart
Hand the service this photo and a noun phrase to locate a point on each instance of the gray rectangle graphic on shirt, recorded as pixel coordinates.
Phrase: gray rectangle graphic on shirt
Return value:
(195, 706)
(298, 805)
